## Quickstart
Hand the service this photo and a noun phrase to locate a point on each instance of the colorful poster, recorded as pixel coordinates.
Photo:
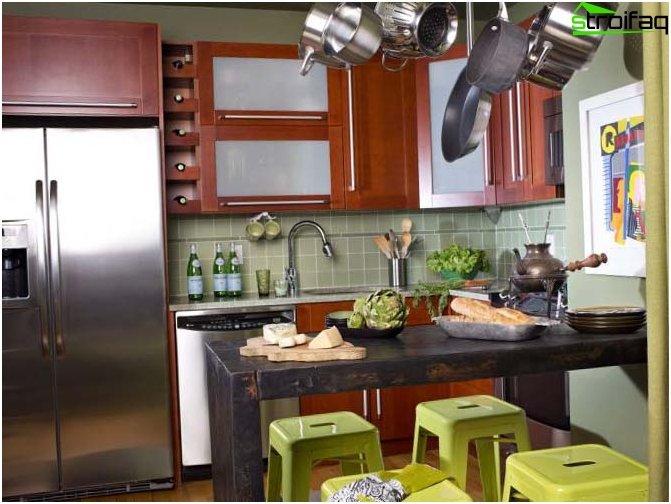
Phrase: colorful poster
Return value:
(613, 167)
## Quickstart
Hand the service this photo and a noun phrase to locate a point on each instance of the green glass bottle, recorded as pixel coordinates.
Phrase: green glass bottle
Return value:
(219, 272)
(233, 275)
(194, 276)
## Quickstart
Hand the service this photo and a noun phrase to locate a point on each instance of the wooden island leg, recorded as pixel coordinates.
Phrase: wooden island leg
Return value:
(235, 430)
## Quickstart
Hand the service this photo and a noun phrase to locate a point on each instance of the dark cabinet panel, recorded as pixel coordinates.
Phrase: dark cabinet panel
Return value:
(79, 67)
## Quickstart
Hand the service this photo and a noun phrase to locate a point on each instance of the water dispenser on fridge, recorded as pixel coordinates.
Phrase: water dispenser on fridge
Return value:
(14, 261)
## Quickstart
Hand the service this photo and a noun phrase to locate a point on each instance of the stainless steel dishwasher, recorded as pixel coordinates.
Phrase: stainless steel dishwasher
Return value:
(194, 328)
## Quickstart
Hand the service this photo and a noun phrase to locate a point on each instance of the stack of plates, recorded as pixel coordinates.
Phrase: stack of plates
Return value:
(605, 319)
(338, 318)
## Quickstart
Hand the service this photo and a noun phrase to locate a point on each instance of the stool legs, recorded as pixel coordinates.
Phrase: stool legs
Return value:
(453, 456)
(274, 476)
(419, 444)
(490, 469)
(374, 457)
(350, 467)
(296, 473)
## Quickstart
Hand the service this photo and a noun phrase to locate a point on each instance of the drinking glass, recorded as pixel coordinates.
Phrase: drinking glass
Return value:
(263, 281)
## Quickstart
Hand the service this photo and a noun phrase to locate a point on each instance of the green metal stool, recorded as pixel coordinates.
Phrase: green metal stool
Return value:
(445, 491)
(481, 418)
(296, 443)
(576, 473)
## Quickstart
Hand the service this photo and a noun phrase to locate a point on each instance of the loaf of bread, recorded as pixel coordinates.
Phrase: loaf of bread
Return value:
(510, 316)
(473, 309)
(483, 313)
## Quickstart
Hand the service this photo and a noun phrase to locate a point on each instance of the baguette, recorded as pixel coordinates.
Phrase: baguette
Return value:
(481, 312)
(473, 309)
(510, 316)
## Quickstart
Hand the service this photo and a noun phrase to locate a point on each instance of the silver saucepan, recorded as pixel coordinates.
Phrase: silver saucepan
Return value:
(311, 45)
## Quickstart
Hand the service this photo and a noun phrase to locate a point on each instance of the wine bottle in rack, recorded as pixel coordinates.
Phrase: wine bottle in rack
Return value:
(179, 132)
(181, 200)
(178, 98)
(180, 167)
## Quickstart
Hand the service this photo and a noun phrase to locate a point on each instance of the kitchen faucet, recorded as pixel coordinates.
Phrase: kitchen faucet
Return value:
(291, 273)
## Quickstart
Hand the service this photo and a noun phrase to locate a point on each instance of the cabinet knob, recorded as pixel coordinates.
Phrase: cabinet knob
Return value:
(180, 167)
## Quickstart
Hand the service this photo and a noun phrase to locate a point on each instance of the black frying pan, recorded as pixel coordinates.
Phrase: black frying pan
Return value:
(498, 55)
(465, 120)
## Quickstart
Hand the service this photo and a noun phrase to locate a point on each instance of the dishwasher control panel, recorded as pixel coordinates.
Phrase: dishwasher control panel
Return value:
(234, 321)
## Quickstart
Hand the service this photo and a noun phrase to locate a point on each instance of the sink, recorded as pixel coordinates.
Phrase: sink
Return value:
(325, 291)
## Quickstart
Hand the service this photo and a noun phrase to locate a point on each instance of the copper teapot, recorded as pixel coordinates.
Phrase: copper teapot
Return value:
(532, 272)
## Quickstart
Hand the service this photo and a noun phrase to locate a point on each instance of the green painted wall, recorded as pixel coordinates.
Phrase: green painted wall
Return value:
(599, 397)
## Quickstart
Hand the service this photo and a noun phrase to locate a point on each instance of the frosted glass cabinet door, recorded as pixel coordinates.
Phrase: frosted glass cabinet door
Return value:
(270, 168)
(467, 173)
(268, 84)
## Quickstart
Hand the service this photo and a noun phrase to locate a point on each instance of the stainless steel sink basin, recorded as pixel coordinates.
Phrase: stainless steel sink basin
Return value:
(325, 291)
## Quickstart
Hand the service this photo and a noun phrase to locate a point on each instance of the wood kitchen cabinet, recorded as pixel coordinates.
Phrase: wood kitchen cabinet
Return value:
(180, 112)
(75, 67)
(518, 143)
(381, 146)
(392, 410)
(512, 167)
(271, 138)
(468, 181)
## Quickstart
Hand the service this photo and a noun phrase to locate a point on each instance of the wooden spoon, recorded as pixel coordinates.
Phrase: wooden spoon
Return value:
(406, 225)
(383, 245)
(406, 240)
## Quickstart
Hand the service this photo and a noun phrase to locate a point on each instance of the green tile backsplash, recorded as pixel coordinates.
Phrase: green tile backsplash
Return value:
(356, 260)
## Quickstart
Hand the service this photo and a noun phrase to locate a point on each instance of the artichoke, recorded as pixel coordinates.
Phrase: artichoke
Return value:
(385, 309)
(356, 321)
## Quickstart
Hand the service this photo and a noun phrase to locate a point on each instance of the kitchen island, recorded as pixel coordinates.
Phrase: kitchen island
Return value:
(419, 355)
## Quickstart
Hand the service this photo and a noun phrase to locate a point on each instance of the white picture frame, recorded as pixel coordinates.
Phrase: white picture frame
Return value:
(612, 145)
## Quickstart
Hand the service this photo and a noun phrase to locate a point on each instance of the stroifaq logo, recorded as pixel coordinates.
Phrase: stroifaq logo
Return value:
(589, 19)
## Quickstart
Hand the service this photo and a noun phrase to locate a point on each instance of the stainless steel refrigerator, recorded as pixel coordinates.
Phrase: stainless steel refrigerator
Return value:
(85, 393)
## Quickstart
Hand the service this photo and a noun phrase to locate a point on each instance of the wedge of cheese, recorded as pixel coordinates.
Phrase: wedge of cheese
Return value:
(328, 338)
(273, 332)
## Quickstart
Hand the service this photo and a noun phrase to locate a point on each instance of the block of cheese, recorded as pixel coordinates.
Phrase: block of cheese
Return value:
(273, 332)
(287, 342)
(328, 338)
(300, 339)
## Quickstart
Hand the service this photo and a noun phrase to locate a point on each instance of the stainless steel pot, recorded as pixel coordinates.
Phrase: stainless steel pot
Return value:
(311, 45)
(353, 33)
(554, 52)
(417, 29)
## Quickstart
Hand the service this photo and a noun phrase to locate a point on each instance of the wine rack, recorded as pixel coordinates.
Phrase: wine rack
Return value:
(181, 126)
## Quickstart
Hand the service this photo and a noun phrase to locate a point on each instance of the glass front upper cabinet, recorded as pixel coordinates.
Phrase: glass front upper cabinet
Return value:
(261, 84)
(466, 181)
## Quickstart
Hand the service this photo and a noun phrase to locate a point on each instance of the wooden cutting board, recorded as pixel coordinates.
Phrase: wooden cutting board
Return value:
(258, 347)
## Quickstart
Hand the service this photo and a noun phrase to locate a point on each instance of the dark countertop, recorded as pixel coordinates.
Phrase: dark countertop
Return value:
(420, 354)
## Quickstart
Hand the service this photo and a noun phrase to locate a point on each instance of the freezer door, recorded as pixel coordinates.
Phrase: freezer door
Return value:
(109, 316)
(29, 453)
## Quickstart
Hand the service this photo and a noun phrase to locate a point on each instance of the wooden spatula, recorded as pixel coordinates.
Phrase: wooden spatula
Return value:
(383, 245)
(406, 225)
(406, 240)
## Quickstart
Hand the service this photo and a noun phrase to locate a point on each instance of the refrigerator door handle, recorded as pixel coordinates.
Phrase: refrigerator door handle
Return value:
(56, 268)
(41, 237)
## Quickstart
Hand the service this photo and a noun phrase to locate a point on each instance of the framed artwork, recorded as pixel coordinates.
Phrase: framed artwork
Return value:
(612, 140)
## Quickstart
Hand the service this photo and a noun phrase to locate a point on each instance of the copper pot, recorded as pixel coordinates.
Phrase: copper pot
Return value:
(540, 271)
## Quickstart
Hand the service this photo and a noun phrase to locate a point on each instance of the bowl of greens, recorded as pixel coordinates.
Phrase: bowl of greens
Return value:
(457, 262)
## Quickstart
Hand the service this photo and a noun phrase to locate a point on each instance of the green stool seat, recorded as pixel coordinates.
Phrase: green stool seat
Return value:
(445, 491)
(481, 418)
(296, 443)
(576, 473)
